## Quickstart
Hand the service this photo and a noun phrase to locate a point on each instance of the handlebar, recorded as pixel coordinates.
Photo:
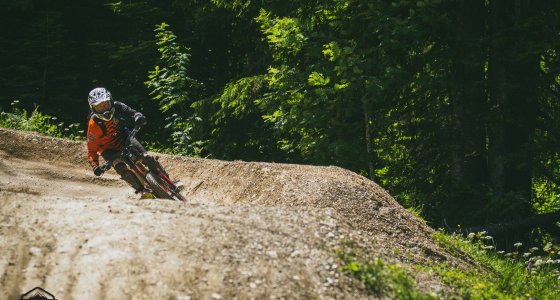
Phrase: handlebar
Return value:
(106, 166)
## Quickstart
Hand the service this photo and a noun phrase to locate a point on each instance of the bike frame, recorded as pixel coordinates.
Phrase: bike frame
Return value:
(134, 162)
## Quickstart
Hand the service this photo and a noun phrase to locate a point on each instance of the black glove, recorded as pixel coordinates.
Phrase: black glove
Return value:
(97, 171)
(139, 121)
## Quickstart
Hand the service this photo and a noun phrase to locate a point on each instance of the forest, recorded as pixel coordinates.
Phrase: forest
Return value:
(452, 106)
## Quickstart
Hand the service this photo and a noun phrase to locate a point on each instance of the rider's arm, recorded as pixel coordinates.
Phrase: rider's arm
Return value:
(138, 117)
(93, 137)
(127, 110)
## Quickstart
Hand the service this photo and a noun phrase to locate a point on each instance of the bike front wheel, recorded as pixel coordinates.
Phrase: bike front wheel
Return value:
(158, 187)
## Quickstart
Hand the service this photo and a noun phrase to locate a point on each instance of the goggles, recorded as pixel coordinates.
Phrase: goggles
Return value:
(103, 106)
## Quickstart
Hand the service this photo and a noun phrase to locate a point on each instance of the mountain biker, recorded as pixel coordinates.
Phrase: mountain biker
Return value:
(107, 133)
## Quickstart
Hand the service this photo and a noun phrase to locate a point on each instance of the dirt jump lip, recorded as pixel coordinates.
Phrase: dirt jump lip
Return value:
(248, 230)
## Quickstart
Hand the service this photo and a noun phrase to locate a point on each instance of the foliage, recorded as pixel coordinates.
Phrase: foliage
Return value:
(283, 34)
(238, 128)
(379, 278)
(534, 274)
(450, 105)
(547, 196)
(417, 212)
(20, 119)
(171, 86)
(182, 137)
(396, 91)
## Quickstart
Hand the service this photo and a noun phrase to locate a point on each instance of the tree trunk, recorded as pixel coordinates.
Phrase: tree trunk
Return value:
(468, 168)
(498, 95)
(522, 101)
(513, 70)
(369, 146)
(470, 99)
(46, 61)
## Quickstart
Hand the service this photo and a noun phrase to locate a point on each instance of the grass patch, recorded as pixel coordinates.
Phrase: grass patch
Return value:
(499, 275)
(20, 119)
(533, 274)
(379, 278)
(417, 211)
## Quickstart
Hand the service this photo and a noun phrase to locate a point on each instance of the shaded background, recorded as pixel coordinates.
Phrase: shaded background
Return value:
(450, 105)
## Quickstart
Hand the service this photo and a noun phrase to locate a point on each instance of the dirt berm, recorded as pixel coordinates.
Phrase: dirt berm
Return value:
(248, 230)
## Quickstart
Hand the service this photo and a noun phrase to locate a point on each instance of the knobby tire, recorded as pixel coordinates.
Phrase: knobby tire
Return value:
(157, 187)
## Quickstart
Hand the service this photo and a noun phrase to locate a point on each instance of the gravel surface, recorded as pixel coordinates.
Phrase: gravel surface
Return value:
(248, 230)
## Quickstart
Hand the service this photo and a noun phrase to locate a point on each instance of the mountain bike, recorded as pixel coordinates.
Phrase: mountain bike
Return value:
(154, 179)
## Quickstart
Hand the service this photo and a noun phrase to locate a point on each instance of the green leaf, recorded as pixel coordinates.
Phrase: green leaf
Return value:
(354, 266)
(317, 79)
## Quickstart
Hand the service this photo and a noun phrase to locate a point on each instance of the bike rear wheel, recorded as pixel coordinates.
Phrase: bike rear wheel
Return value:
(158, 187)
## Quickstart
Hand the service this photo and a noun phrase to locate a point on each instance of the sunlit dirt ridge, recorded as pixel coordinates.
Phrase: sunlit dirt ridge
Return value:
(249, 230)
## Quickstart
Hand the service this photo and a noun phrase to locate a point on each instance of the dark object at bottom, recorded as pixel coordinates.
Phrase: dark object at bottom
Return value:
(37, 294)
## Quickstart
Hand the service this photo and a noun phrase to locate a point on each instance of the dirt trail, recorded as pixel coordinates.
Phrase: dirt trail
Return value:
(249, 230)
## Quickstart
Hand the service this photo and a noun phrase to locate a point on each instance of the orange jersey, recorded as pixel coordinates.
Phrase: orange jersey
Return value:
(103, 135)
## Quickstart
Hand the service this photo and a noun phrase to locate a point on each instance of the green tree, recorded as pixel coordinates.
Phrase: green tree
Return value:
(174, 90)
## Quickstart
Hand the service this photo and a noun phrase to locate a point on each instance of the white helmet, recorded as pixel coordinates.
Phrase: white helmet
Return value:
(101, 103)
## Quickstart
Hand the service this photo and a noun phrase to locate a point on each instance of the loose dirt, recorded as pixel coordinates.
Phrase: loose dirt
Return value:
(248, 230)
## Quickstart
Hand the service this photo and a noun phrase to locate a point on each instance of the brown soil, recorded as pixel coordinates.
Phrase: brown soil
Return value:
(248, 230)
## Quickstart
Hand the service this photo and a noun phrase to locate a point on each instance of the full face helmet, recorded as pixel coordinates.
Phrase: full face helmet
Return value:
(101, 103)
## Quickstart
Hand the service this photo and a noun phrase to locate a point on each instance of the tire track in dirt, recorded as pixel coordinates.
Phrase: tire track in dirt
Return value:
(13, 264)
(249, 230)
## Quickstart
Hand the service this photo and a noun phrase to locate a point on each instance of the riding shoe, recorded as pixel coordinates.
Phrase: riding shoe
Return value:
(147, 195)
(180, 186)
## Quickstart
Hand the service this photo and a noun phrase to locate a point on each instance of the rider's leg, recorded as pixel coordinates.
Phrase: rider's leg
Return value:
(122, 169)
(129, 177)
(147, 159)
(150, 161)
